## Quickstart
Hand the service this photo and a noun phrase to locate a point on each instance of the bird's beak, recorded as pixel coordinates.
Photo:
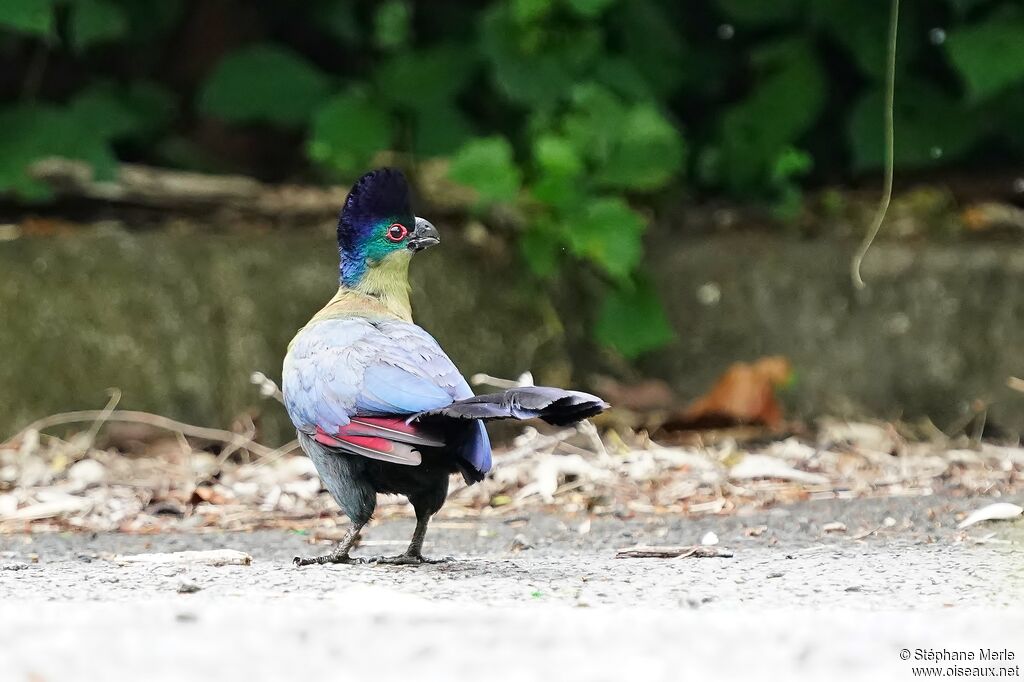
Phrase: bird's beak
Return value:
(424, 236)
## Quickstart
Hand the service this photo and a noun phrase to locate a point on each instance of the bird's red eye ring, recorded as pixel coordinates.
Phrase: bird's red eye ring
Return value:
(397, 232)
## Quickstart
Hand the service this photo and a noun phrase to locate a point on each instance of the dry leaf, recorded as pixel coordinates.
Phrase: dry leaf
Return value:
(211, 557)
(205, 493)
(744, 394)
(710, 539)
(1000, 511)
(763, 466)
(660, 552)
(50, 509)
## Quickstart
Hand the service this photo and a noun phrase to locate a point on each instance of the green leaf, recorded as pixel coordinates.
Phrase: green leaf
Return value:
(790, 163)
(863, 29)
(24, 141)
(264, 83)
(526, 11)
(988, 56)
(785, 103)
(439, 129)
(424, 78)
(96, 21)
(761, 12)
(555, 155)
(115, 111)
(652, 43)
(348, 130)
(632, 147)
(391, 24)
(27, 16)
(535, 66)
(560, 170)
(150, 21)
(594, 121)
(632, 320)
(487, 165)
(102, 110)
(35, 132)
(623, 77)
(931, 127)
(153, 105)
(338, 18)
(647, 153)
(964, 7)
(608, 233)
(541, 247)
(590, 9)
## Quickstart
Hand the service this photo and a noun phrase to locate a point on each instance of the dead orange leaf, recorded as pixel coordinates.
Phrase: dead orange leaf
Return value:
(744, 394)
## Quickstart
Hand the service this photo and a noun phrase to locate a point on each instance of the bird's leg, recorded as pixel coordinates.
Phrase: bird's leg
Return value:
(340, 553)
(413, 556)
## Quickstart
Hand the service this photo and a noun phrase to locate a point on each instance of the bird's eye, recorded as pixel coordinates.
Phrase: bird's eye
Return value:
(397, 232)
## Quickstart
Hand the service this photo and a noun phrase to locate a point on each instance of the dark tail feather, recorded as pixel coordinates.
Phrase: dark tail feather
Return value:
(553, 405)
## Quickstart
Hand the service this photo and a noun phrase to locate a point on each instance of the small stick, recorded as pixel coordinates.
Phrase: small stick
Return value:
(135, 417)
(682, 552)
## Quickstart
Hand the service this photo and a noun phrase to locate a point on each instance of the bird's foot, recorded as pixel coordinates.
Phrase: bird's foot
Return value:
(327, 559)
(408, 560)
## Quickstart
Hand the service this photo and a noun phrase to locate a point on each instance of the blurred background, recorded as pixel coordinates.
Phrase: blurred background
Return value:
(634, 195)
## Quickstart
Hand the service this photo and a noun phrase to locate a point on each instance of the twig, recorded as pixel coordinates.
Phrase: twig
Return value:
(155, 420)
(277, 454)
(867, 533)
(1016, 384)
(233, 447)
(683, 552)
(268, 389)
(115, 398)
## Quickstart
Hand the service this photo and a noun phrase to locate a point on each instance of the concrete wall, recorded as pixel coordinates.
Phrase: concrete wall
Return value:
(178, 322)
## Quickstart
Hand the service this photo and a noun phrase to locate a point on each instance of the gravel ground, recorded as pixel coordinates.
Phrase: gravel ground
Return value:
(794, 602)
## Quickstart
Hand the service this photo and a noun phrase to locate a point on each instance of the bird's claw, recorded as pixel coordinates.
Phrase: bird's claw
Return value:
(327, 559)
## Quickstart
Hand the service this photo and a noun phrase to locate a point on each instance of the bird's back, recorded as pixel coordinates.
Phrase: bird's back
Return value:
(357, 372)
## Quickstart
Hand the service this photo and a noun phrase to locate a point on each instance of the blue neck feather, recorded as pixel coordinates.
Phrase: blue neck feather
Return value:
(352, 269)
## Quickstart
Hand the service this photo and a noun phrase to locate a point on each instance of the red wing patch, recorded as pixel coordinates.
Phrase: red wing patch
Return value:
(376, 443)
(390, 423)
(372, 446)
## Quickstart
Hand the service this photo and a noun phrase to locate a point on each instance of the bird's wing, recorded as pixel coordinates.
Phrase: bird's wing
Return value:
(351, 382)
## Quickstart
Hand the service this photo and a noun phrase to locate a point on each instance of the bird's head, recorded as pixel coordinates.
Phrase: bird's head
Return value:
(377, 230)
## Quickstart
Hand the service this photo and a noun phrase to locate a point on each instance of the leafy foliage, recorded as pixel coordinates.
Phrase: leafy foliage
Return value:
(989, 56)
(83, 130)
(571, 117)
(28, 16)
(931, 127)
(348, 130)
(487, 166)
(264, 83)
(631, 320)
(96, 21)
(755, 132)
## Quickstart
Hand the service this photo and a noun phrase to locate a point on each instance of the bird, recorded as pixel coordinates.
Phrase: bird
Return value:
(377, 404)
